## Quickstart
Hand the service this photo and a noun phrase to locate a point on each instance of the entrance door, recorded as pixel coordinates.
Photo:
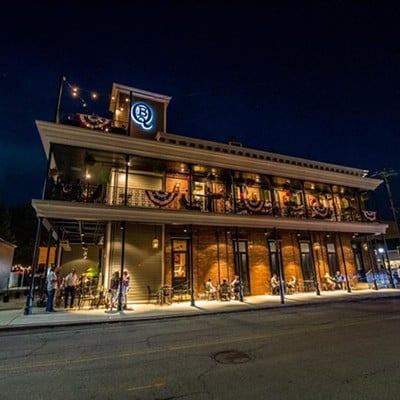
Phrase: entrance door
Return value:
(180, 262)
(242, 263)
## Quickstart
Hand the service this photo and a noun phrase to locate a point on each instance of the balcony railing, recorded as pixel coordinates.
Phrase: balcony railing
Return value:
(214, 203)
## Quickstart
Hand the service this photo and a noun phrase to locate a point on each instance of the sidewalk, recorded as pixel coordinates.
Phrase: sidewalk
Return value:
(12, 313)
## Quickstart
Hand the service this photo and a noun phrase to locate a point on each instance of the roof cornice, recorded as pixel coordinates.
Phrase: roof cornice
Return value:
(212, 154)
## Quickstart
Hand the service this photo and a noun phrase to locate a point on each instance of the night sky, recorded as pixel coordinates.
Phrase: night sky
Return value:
(317, 80)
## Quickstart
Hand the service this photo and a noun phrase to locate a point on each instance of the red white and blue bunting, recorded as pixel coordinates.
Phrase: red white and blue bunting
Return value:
(255, 206)
(93, 121)
(369, 215)
(321, 211)
(161, 198)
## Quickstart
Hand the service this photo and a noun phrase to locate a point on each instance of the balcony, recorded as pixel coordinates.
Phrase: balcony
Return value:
(213, 203)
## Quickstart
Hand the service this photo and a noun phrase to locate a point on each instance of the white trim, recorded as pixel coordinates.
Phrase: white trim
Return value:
(99, 212)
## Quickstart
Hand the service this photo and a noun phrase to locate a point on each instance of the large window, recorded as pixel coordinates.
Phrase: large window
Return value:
(242, 263)
(274, 258)
(358, 259)
(332, 258)
(306, 260)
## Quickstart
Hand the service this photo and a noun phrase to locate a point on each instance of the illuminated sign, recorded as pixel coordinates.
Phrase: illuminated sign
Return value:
(142, 115)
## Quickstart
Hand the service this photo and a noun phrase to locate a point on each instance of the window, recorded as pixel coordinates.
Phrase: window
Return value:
(274, 258)
(332, 258)
(306, 259)
(242, 263)
(358, 259)
(180, 259)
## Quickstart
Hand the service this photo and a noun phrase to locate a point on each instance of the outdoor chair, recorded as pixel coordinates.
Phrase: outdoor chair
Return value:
(152, 295)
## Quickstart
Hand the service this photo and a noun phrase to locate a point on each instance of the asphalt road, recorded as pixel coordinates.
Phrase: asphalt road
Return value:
(331, 351)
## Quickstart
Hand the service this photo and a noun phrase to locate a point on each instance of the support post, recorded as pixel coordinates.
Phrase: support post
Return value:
(344, 263)
(29, 298)
(192, 301)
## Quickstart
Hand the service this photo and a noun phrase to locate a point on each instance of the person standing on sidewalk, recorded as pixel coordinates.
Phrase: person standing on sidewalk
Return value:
(125, 288)
(71, 281)
(51, 288)
(114, 286)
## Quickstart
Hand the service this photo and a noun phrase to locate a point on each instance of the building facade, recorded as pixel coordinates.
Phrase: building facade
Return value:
(123, 193)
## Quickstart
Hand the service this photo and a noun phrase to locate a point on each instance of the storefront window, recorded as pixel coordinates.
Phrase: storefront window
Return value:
(332, 258)
(306, 260)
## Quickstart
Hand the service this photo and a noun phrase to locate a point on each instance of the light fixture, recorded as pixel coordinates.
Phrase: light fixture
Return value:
(316, 246)
(155, 242)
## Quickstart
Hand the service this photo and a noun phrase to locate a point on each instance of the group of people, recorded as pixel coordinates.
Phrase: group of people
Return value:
(333, 282)
(62, 288)
(328, 283)
(223, 291)
(115, 289)
(288, 287)
(58, 286)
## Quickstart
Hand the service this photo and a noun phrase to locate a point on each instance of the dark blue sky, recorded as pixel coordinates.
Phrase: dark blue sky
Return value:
(318, 80)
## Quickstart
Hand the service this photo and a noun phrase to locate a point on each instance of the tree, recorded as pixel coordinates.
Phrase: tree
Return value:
(23, 225)
(5, 224)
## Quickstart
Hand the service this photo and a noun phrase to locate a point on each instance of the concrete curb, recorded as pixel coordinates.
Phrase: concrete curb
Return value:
(159, 314)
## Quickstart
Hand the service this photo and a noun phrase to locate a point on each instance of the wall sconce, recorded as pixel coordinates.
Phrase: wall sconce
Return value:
(155, 242)
(316, 246)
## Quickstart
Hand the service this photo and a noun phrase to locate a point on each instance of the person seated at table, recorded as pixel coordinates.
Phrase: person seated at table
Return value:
(291, 285)
(224, 291)
(339, 280)
(275, 284)
(211, 290)
(328, 282)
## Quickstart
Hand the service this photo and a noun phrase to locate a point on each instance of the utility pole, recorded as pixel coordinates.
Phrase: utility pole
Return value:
(60, 90)
(385, 173)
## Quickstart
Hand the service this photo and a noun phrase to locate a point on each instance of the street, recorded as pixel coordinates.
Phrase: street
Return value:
(340, 350)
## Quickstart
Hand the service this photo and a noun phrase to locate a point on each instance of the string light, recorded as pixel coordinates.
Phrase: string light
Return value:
(76, 93)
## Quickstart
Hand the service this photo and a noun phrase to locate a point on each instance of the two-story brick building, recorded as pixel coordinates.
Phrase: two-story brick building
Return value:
(123, 193)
